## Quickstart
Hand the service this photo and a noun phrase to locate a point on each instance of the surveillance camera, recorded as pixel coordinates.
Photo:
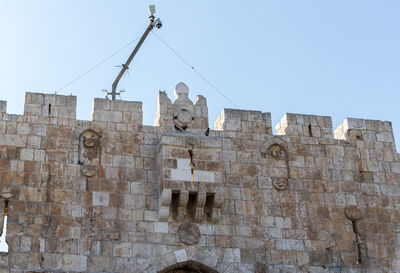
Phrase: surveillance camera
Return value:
(158, 23)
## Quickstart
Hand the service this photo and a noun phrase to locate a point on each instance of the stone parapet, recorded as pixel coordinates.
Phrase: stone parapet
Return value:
(305, 125)
(50, 105)
(244, 121)
(3, 106)
(113, 195)
(129, 112)
(365, 129)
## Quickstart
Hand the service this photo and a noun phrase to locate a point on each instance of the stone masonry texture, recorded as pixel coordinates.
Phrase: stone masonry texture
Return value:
(114, 195)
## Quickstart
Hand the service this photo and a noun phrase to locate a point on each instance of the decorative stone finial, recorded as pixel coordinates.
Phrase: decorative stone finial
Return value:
(181, 89)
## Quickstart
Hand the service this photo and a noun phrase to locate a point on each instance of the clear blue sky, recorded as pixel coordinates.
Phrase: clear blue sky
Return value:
(338, 58)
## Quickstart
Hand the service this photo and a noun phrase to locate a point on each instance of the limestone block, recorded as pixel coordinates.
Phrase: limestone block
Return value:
(76, 263)
(180, 255)
(355, 123)
(100, 199)
(51, 261)
(232, 255)
(50, 105)
(161, 227)
(123, 249)
(182, 205)
(3, 106)
(101, 264)
(305, 125)
(101, 104)
(32, 109)
(288, 244)
(385, 137)
(164, 203)
(26, 154)
(199, 210)
(126, 106)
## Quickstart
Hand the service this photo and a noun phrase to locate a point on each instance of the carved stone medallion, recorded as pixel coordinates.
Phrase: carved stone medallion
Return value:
(90, 141)
(88, 170)
(189, 233)
(279, 183)
(353, 213)
(277, 152)
(7, 193)
(183, 117)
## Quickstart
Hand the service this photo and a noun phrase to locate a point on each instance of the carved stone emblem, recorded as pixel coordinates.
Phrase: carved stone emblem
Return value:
(353, 213)
(279, 183)
(277, 152)
(7, 193)
(183, 117)
(189, 233)
(88, 170)
(89, 151)
(90, 140)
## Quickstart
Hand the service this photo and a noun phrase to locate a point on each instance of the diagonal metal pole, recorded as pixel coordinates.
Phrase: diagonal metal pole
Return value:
(128, 62)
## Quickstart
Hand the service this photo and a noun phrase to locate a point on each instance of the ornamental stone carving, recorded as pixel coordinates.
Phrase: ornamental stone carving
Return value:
(88, 139)
(279, 183)
(182, 114)
(189, 233)
(353, 213)
(278, 152)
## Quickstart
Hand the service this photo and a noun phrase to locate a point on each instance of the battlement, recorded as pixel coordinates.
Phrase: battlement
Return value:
(50, 105)
(305, 125)
(184, 115)
(112, 195)
(244, 121)
(128, 112)
(365, 129)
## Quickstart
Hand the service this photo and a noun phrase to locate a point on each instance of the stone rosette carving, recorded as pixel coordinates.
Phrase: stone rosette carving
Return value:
(183, 117)
(189, 233)
(353, 213)
(89, 171)
(279, 183)
(276, 151)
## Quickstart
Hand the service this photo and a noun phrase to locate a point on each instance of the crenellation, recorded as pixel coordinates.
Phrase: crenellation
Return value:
(244, 121)
(305, 125)
(50, 106)
(113, 195)
(3, 106)
(119, 115)
(367, 130)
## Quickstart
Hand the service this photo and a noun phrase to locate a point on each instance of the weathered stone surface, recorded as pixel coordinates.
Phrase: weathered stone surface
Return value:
(189, 233)
(114, 195)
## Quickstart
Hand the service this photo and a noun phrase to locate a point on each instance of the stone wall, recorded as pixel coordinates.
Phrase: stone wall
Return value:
(114, 195)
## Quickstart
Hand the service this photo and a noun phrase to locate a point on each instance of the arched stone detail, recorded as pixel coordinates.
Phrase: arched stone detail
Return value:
(188, 267)
(193, 257)
(275, 140)
(278, 149)
(88, 138)
(82, 127)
